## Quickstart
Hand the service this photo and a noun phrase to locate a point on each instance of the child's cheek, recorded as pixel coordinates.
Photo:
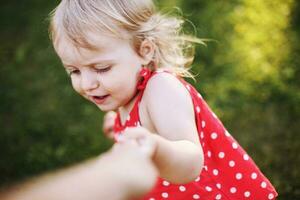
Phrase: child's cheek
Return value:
(76, 85)
(109, 84)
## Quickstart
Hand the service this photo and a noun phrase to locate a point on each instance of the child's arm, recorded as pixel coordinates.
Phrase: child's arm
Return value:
(178, 161)
(179, 155)
(99, 178)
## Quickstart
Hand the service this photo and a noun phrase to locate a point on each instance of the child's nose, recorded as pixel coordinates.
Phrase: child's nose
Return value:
(89, 82)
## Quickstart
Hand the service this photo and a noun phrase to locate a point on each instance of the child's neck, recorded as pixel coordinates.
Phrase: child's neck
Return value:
(125, 110)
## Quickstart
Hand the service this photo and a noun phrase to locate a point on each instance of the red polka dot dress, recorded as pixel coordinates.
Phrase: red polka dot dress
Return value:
(228, 172)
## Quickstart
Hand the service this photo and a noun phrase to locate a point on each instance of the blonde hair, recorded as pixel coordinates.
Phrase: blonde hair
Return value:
(135, 20)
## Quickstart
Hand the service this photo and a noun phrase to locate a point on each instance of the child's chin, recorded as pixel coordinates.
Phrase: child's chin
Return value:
(105, 108)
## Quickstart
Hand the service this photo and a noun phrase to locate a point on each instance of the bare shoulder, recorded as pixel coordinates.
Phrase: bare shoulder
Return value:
(170, 107)
(165, 88)
(164, 81)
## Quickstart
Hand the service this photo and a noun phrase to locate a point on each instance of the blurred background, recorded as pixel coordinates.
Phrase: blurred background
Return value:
(250, 77)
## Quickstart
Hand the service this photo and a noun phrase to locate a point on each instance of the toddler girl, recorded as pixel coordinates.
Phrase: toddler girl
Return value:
(125, 56)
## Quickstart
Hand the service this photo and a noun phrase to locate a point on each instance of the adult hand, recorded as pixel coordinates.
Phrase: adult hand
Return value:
(132, 161)
(124, 173)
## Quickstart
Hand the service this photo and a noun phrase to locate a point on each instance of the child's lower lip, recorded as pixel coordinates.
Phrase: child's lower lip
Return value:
(99, 100)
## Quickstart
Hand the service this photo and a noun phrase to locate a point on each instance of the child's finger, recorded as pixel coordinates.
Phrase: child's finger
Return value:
(107, 127)
(108, 132)
(110, 135)
(108, 124)
(109, 116)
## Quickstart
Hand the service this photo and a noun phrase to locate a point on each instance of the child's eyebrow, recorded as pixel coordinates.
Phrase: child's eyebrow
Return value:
(90, 64)
(96, 62)
(67, 65)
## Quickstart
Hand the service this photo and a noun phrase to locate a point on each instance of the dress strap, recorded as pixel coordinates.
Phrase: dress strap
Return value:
(145, 74)
(133, 117)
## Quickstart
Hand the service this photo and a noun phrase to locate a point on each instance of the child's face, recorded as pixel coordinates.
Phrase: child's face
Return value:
(106, 77)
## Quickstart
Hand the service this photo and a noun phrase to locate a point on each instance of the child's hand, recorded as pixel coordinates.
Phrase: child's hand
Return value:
(144, 138)
(108, 124)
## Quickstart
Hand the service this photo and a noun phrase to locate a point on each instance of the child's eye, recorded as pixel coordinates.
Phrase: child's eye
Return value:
(74, 72)
(103, 70)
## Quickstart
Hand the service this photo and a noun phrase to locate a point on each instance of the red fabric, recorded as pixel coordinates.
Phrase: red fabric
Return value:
(228, 172)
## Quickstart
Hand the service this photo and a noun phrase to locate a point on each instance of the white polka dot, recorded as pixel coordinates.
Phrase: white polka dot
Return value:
(203, 124)
(234, 145)
(215, 172)
(218, 185)
(197, 179)
(166, 183)
(198, 109)
(246, 157)
(205, 167)
(218, 196)
(221, 154)
(254, 175)
(214, 136)
(196, 196)
(233, 190)
(270, 196)
(199, 95)
(151, 199)
(201, 134)
(165, 195)
(247, 194)
(208, 154)
(263, 184)
(182, 188)
(238, 176)
(208, 189)
(144, 73)
(231, 163)
(227, 133)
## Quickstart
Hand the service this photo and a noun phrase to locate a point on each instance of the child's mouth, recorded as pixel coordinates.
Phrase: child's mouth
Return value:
(99, 99)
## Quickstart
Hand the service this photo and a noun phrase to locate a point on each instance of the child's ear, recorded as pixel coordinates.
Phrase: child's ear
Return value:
(147, 50)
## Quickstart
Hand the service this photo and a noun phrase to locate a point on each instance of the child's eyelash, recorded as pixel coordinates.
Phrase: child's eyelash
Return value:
(76, 71)
(71, 72)
(103, 69)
